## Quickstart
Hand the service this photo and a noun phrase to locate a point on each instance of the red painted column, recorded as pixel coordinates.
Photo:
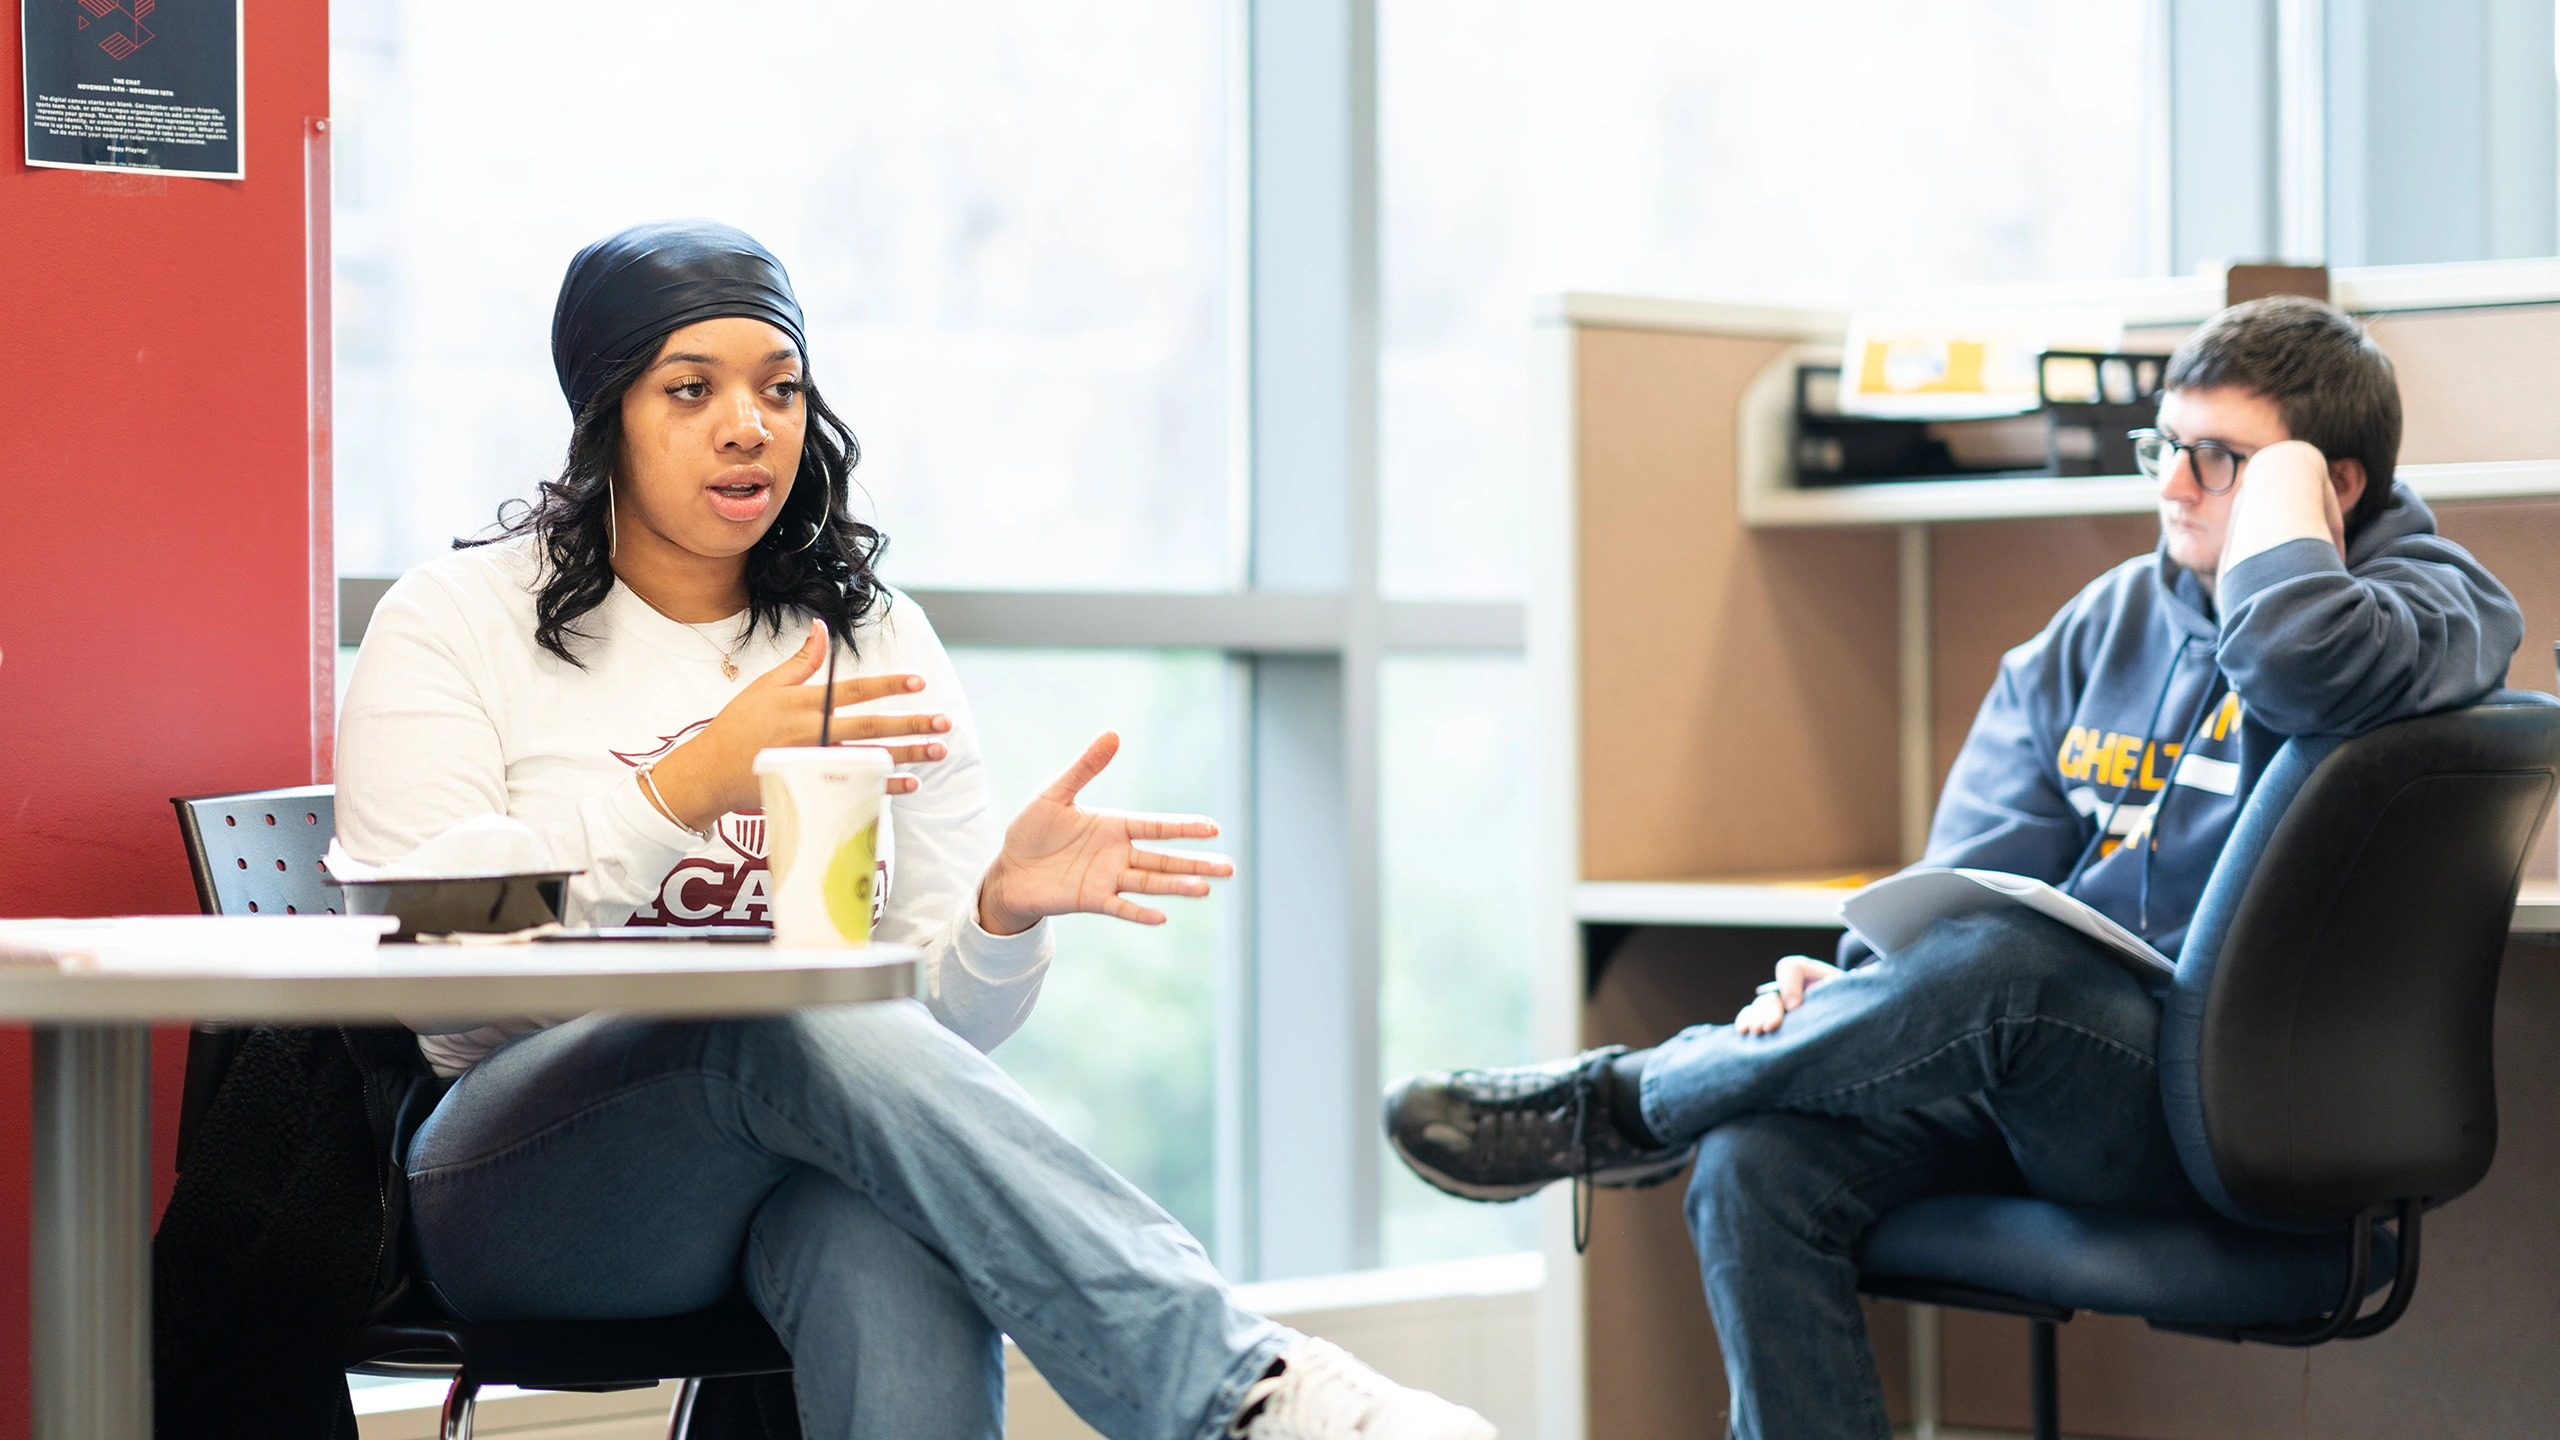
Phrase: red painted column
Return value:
(165, 590)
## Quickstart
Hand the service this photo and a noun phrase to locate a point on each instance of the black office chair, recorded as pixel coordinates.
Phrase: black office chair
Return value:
(260, 853)
(2324, 1057)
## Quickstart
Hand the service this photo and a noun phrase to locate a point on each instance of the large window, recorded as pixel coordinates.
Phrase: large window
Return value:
(1458, 765)
(1827, 154)
(1117, 1052)
(2442, 130)
(1007, 221)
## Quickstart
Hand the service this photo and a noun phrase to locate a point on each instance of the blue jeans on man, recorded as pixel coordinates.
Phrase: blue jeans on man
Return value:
(2003, 1053)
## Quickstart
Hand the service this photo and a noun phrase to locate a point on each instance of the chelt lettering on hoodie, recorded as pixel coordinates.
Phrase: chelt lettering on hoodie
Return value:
(2117, 747)
(2115, 778)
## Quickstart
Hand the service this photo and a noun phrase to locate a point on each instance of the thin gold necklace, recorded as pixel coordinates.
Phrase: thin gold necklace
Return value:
(728, 655)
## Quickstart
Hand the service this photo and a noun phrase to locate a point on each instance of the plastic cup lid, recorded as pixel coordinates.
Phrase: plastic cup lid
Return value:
(855, 759)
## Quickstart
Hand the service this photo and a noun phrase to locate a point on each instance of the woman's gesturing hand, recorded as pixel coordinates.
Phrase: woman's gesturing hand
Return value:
(1796, 975)
(712, 774)
(1062, 859)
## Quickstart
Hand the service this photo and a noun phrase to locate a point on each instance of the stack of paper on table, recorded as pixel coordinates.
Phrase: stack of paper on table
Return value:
(156, 942)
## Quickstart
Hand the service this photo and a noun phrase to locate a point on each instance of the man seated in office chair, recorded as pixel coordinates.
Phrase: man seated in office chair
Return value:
(2296, 590)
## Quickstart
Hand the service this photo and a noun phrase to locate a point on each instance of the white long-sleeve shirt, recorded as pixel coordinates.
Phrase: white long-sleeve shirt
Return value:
(455, 711)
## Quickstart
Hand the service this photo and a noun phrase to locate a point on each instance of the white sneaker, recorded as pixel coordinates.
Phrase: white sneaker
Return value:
(1321, 1393)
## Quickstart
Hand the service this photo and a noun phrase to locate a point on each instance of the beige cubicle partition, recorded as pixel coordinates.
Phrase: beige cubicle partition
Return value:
(1743, 699)
(1737, 686)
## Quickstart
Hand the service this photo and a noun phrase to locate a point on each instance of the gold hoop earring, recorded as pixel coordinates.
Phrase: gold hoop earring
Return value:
(612, 527)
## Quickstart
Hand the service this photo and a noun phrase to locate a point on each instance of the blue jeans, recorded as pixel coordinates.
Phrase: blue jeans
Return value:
(886, 1195)
(2002, 1053)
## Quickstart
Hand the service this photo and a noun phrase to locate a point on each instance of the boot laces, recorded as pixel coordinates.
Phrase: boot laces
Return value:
(1507, 1097)
(1583, 1165)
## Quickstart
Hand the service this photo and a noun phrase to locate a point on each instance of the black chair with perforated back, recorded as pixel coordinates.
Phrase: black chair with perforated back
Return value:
(259, 853)
(256, 853)
(2324, 1058)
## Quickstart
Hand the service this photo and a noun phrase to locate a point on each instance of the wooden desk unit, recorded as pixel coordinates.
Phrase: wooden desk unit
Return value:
(1744, 680)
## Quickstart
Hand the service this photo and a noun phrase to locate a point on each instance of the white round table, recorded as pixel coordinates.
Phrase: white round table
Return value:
(92, 1145)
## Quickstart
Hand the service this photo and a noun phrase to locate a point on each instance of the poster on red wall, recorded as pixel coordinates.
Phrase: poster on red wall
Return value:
(133, 85)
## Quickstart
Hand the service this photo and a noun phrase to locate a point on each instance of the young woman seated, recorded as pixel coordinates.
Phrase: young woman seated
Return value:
(605, 673)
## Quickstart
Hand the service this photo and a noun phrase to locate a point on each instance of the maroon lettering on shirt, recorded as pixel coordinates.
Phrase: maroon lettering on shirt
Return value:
(735, 888)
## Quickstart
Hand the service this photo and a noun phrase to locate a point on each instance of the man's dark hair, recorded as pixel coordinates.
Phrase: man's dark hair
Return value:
(2331, 383)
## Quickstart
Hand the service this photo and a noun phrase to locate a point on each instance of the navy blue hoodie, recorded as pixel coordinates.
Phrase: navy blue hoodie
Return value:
(2142, 708)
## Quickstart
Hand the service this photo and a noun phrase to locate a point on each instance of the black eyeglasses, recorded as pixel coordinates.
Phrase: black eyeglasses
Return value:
(2216, 465)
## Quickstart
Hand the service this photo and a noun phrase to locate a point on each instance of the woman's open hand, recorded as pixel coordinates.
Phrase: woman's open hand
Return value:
(713, 773)
(1062, 859)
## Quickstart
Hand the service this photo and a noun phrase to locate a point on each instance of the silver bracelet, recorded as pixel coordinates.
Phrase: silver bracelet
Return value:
(649, 783)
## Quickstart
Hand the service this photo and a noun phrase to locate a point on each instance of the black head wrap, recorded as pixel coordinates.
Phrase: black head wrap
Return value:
(626, 290)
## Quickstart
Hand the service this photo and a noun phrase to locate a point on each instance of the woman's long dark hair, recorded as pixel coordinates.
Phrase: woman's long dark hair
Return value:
(828, 574)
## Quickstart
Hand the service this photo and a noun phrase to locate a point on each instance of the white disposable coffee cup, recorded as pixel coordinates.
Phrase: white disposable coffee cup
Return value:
(822, 841)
